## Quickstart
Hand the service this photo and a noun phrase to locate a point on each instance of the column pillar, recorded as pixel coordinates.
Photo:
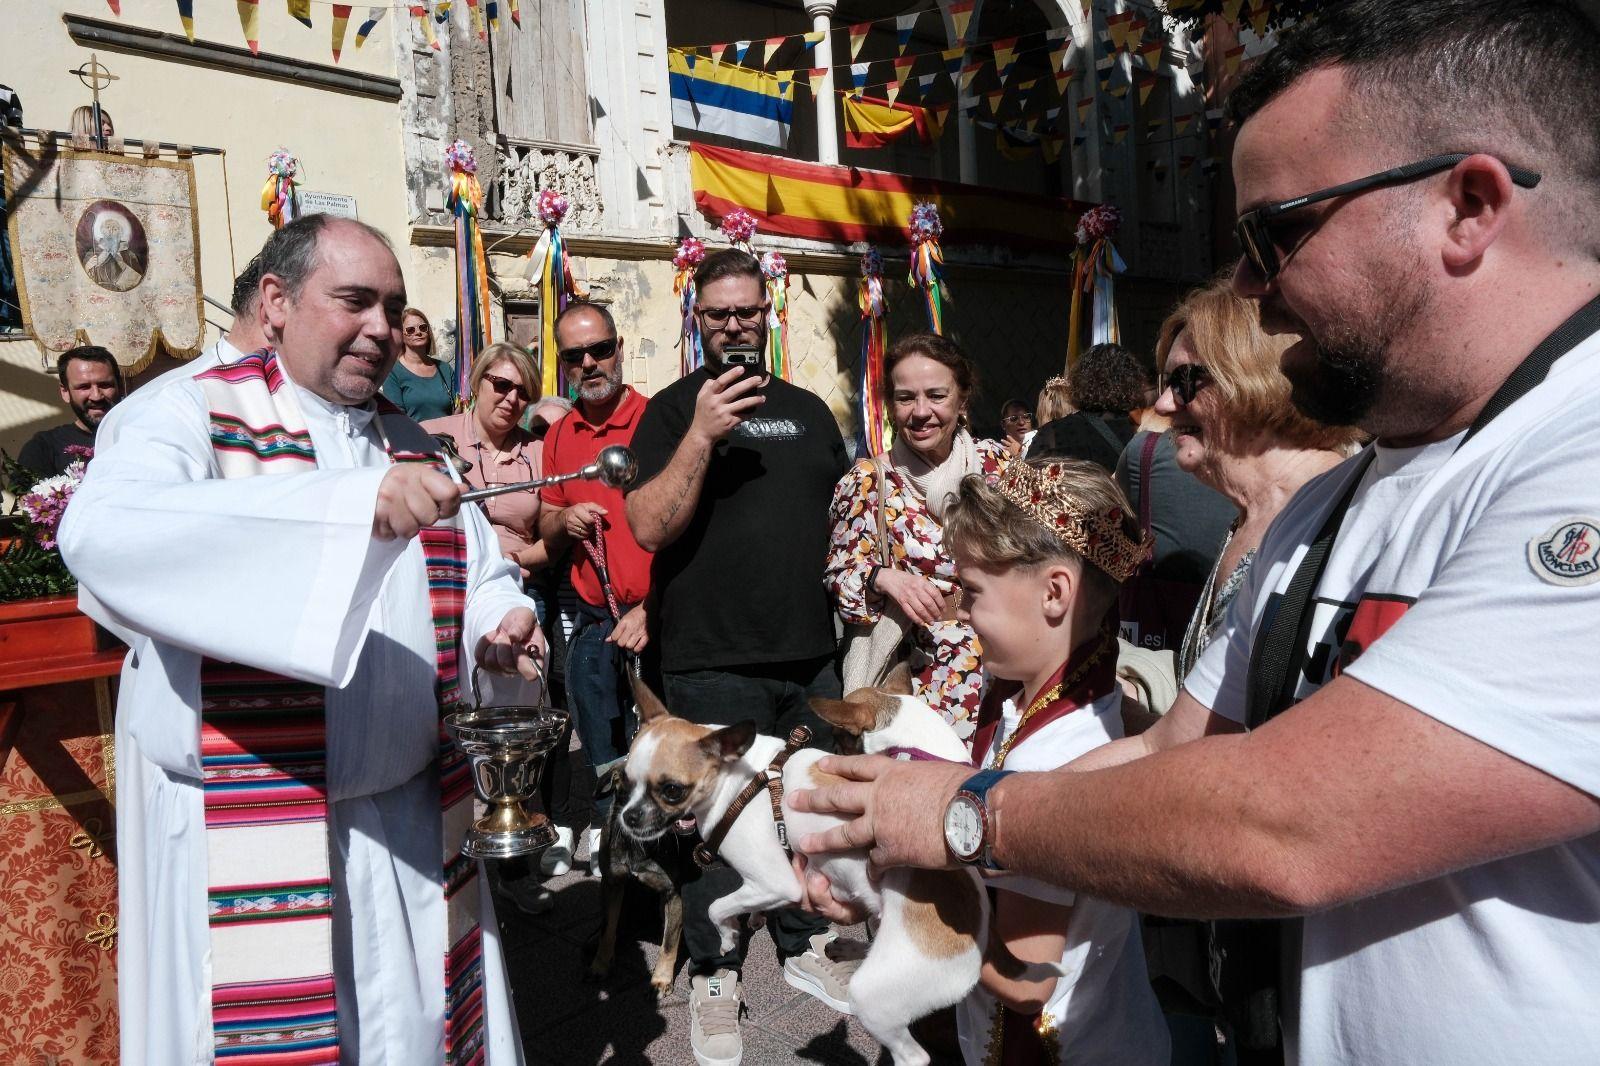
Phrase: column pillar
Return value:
(821, 12)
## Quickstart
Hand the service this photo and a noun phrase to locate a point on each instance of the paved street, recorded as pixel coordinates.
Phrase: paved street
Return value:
(568, 1021)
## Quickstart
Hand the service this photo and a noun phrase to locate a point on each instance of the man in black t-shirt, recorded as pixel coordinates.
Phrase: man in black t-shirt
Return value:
(736, 471)
(91, 384)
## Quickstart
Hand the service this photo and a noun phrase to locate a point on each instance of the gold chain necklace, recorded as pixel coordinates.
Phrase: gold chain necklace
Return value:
(1046, 699)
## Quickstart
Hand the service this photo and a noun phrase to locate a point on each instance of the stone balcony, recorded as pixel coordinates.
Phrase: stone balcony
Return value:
(525, 167)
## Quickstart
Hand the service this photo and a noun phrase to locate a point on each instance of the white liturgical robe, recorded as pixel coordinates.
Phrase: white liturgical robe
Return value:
(282, 573)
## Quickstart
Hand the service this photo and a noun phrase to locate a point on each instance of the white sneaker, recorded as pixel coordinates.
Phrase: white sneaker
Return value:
(824, 969)
(714, 1004)
(594, 853)
(557, 858)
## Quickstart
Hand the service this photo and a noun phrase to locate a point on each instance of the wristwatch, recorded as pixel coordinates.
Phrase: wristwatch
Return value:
(969, 827)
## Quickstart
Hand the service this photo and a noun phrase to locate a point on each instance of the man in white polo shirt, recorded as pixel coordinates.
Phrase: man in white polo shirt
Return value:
(1419, 187)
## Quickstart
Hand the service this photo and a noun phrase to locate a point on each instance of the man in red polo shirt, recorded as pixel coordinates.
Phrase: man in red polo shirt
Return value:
(591, 519)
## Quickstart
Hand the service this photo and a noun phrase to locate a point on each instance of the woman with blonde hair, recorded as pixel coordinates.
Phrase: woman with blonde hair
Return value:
(1236, 429)
(489, 435)
(83, 123)
(420, 385)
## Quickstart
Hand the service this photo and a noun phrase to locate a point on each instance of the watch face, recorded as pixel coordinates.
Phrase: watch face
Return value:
(963, 827)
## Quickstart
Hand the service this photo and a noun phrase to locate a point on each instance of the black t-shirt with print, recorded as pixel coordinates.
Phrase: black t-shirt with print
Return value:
(46, 451)
(743, 585)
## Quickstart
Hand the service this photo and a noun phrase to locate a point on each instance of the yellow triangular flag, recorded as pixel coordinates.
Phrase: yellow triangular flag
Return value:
(300, 11)
(770, 45)
(961, 16)
(250, 22)
(891, 91)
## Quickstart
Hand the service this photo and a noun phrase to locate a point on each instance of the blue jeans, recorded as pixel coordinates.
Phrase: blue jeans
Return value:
(774, 695)
(598, 692)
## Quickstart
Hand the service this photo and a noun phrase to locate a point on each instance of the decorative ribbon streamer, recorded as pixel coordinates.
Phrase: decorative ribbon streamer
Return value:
(278, 196)
(776, 272)
(927, 262)
(1096, 265)
(474, 332)
(874, 345)
(739, 226)
(691, 250)
(550, 269)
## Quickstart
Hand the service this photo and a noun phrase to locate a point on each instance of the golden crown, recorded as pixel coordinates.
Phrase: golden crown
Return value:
(1097, 536)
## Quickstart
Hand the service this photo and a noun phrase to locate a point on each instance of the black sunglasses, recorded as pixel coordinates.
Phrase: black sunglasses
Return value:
(501, 386)
(1254, 228)
(719, 316)
(597, 351)
(1186, 381)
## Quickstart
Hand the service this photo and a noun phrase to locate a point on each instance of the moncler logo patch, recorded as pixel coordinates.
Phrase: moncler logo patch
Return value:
(1569, 554)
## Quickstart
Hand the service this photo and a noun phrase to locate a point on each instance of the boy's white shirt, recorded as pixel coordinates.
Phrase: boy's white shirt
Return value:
(1104, 1011)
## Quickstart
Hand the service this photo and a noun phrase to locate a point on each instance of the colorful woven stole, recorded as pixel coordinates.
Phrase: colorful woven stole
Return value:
(263, 750)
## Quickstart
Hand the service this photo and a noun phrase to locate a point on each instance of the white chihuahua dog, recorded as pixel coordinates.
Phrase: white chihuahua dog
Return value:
(933, 924)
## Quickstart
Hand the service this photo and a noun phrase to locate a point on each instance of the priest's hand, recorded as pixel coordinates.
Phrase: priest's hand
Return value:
(896, 809)
(515, 647)
(411, 496)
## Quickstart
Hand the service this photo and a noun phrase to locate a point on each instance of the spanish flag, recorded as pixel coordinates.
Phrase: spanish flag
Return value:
(870, 123)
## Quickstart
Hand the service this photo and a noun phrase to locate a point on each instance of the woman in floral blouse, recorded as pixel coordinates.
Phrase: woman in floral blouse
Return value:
(907, 588)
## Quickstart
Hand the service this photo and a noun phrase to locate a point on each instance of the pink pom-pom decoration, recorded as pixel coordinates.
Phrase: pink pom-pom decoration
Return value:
(459, 157)
(553, 207)
(774, 266)
(872, 264)
(1100, 222)
(690, 251)
(282, 164)
(925, 223)
(739, 226)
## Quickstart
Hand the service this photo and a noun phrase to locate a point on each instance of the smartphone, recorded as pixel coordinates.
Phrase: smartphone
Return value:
(750, 357)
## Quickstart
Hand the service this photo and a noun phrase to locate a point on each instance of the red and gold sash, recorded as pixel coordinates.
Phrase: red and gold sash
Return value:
(264, 761)
(1017, 1039)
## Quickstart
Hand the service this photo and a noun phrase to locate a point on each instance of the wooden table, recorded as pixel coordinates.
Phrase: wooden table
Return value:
(58, 879)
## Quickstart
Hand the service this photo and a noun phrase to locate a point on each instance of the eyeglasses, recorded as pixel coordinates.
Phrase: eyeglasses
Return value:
(1020, 416)
(598, 351)
(1255, 228)
(410, 330)
(1186, 381)
(501, 386)
(717, 317)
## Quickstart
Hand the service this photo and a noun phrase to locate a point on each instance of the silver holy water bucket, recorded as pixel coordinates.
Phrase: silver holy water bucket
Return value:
(506, 748)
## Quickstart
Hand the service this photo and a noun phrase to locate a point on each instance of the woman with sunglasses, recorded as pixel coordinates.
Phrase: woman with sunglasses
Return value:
(420, 385)
(489, 435)
(1235, 428)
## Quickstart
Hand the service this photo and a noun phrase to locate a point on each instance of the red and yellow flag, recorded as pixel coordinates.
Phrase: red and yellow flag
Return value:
(870, 123)
(250, 22)
(341, 21)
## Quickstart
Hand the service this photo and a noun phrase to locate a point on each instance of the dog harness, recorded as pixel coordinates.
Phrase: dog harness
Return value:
(770, 778)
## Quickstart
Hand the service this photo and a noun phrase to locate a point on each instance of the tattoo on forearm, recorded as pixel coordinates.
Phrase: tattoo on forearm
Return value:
(683, 493)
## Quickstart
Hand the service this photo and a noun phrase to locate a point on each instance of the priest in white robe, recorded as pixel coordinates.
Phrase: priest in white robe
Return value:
(316, 576)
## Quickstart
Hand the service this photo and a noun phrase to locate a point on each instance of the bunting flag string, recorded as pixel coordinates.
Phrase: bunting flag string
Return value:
(250, 23)
(474, 331)
(903, 25)
(961, 18)
(374, 16)
(550, 270)
(927, 262)
(341, 23)
(1096, 265)
(419, 13)
(279, 198)
(691, 356)
(874, 345)
(776, 272)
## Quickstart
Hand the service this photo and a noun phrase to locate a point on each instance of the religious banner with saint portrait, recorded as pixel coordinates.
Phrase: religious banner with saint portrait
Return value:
(107, 251)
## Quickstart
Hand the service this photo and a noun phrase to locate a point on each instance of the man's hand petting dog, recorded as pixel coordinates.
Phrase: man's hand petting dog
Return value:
(897, 812)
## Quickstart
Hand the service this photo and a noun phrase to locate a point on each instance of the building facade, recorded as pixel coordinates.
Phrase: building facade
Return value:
(578, 98)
